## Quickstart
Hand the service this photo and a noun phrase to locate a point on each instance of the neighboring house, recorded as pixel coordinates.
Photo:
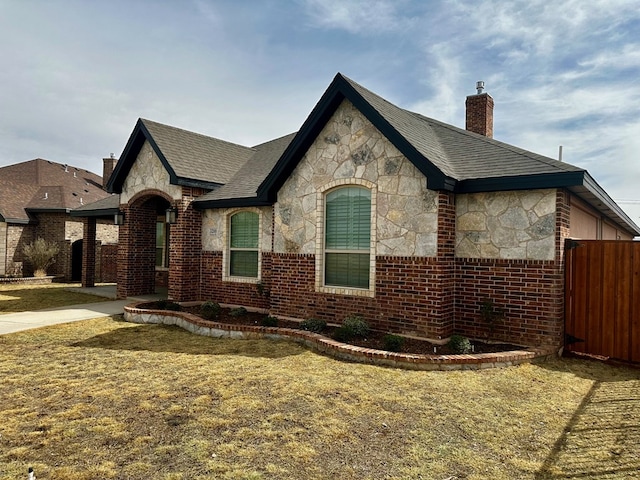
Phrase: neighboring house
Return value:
(369, 209)
(35, 200)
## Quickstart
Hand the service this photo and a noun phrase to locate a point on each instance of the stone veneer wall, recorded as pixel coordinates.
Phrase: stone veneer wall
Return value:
(530, 291)
(350, 147)
(507, 225)
(147, 173)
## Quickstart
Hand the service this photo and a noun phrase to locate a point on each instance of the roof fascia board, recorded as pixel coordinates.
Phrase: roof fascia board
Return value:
(230, 203)
(19, 221)
(521, 182)
(47, 210)
(102, 212)
(591, 185)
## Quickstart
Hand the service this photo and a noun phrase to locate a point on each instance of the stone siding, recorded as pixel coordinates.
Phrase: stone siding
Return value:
(507, 225)
(350, 148)
(216, 222)
(147, 173)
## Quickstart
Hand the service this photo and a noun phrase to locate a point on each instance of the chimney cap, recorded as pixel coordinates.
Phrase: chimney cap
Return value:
(479, 86)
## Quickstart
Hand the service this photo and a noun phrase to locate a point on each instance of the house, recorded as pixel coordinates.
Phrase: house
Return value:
(369, 209)
(36, 197)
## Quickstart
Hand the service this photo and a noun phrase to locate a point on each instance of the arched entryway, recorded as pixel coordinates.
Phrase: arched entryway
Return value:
(76, 261)
(143, 258)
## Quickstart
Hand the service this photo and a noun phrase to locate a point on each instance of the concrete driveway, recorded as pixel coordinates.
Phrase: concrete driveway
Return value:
(15, 322)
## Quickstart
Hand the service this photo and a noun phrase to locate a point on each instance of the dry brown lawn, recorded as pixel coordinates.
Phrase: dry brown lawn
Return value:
(21, 298)
(105, 399)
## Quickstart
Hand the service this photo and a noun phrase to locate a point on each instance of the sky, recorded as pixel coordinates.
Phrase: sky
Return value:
(76, 75)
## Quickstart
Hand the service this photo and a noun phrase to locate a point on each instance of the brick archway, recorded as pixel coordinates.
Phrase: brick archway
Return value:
(137, 238)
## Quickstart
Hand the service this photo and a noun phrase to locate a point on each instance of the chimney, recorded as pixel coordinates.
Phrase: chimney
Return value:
(480, 112)
(108, 164)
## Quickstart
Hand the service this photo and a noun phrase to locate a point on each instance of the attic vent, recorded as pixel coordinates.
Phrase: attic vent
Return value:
(75, 174)
(87, 191)
(66, 168)
(74, 194)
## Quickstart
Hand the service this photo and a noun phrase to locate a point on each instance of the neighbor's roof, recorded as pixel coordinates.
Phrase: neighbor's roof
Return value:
(44, 186)
(191, 159)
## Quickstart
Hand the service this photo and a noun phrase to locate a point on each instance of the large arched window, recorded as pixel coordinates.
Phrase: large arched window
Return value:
(243, 244)
(347, 242)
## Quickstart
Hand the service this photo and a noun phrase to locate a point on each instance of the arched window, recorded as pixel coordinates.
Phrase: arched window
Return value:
(243, 244)
(347, 241)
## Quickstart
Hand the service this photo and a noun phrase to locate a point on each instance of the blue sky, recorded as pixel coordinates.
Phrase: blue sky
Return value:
(76, 75)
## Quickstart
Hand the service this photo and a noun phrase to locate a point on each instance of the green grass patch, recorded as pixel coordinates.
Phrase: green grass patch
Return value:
(108, 399)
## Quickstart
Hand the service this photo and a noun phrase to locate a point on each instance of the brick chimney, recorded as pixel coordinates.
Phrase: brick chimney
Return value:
(480, 112)
(108, 164)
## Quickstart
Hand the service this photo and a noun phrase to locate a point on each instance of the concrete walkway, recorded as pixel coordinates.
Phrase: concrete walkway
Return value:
(16, 322)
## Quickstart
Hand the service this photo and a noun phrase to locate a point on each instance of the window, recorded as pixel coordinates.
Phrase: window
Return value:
(243, 244)
(162, 243)
(347, 246)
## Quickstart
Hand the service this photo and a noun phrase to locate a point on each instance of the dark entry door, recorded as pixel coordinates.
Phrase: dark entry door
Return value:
(76, 261)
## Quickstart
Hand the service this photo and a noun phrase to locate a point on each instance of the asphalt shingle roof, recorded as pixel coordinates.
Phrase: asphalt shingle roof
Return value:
(458, 153)
(246, 181)
(45, 185)
(196, 156)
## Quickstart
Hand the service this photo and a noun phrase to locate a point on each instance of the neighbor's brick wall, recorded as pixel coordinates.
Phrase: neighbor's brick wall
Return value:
(17, 237)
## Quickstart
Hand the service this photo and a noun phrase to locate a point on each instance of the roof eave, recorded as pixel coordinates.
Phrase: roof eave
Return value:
(231, 203)
(521, 182)
(100, 212)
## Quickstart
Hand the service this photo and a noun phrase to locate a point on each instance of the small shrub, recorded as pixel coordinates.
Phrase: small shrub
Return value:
(210, 310)
(41, 254)
(168, 305)
(343, 334)
(459, 344)
(392, 343)
(262, 291)
(313, 325)
(269, 321)
(357, 325)
(238, 312)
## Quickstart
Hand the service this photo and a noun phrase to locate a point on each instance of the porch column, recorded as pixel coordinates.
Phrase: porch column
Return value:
(185, 250)
(89, 252)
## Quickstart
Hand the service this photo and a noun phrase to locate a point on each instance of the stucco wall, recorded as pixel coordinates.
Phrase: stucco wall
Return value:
(146, 173)
(350, 147)
(506, 225)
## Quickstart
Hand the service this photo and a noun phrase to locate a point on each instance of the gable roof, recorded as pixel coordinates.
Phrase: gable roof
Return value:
(452, 159)
(245, 182)
(44, 186)
(191, 159)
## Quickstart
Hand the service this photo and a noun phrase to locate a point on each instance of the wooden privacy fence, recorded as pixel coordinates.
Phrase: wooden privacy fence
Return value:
(602, 298)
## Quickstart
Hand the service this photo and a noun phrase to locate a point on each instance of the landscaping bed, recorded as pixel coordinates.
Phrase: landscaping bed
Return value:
(373, 339)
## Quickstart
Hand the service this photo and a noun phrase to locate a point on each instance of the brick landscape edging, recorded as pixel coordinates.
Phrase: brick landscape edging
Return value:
(199, 326)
